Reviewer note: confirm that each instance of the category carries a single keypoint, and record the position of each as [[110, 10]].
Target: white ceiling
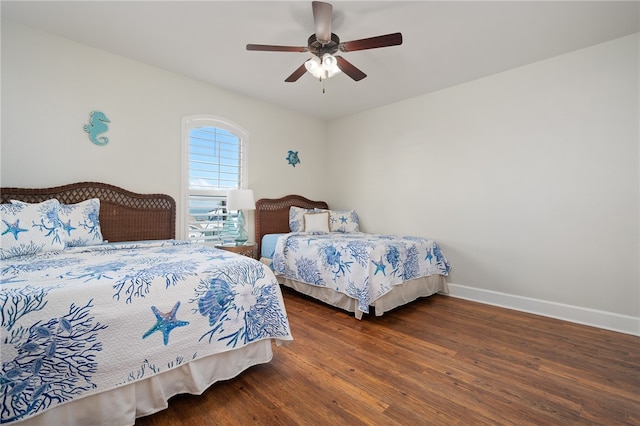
[[445, 43]]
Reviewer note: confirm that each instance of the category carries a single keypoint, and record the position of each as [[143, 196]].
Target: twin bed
[[321, 253], [104, 315]]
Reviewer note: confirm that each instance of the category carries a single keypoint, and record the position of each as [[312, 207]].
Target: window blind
[[215, 160]]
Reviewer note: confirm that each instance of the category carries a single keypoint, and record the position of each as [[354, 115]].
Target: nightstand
[[248, 249]]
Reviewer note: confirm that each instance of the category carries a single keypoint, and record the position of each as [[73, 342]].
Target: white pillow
[[316, 223], [30, 228], [296, 217], [81, 223], [344, 221]]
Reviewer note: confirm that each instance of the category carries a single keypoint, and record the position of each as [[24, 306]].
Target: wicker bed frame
[[272, 214], [124, 215]]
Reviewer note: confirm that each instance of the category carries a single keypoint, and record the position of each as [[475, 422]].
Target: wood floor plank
[[438, 361]]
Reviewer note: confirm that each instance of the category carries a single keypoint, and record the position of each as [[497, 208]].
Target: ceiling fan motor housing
[[319, 49]]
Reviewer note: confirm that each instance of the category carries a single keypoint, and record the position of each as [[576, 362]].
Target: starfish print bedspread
[[361, 265], [85, 320]]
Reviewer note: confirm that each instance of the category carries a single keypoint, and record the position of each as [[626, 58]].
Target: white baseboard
[[601, 319]]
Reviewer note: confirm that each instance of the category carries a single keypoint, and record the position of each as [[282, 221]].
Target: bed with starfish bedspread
[[323, 254], [96, 332]]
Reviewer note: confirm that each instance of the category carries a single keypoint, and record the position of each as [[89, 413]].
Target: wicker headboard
[[272, 214], [124, 215]]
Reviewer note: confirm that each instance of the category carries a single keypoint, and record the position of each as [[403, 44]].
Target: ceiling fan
[[324, 45]]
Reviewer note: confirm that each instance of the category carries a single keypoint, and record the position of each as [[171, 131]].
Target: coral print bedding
[[87, 319], [361, 265]]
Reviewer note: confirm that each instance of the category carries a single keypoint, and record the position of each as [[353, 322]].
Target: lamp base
[[242, 236]]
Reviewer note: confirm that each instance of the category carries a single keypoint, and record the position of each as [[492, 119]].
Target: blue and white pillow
[[81, 223], [30, 228], [339, 220], [344, 221]]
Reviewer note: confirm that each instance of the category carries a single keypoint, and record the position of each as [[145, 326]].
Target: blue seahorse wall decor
[[97, 126]]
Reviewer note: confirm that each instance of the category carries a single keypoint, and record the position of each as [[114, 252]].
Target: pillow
[[296, 217], [81, 223], [344, 221], [316, 223], [30, 228]]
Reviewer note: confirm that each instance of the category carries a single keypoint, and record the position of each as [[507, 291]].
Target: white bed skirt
[[400, 295], [123, 405]]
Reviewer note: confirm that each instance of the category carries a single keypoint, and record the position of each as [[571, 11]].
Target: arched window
[[214, 157]]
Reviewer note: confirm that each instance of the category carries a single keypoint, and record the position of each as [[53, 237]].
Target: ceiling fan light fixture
[[322, 68], [313, 66], [328, 61], [330, 65]]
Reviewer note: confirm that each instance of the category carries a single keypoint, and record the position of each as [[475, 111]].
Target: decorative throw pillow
[[296, 217], [344, 221], [81, 223], [30, 228], [316, 223]]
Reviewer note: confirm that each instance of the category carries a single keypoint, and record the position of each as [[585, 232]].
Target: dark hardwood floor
[[438, 360]]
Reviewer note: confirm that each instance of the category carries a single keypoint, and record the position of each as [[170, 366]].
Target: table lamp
[[241, 199]]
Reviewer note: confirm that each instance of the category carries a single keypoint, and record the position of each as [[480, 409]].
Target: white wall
[[50, 86], [529, 179]]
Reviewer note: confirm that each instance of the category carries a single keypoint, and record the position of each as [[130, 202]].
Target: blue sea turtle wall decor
[[97, 125], [292, 158]]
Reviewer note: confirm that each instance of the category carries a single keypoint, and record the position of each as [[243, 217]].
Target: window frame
[[195, 121]]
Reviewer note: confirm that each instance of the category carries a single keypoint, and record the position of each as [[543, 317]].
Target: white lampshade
[[240, 199], [313, 66], [328, 61]]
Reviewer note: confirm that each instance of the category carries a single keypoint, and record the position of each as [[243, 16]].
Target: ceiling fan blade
[[271, 48], [349, 69], [322, 15], [394, 39], [296, 74]]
